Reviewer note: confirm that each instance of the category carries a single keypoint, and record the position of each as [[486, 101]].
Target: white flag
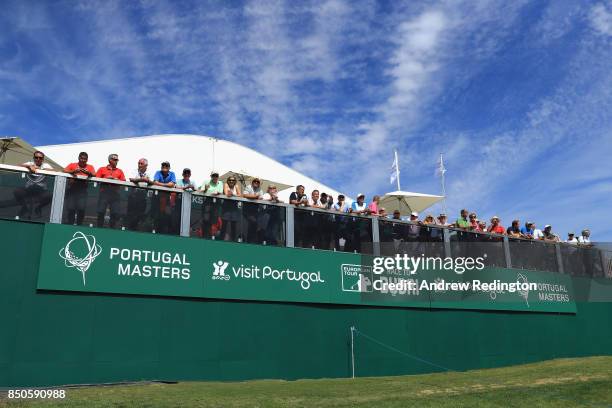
[[440, 170], [394, 170]]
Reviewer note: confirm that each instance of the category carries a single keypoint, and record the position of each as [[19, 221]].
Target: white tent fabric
[[15, 151], [202, 154], [406, 201]]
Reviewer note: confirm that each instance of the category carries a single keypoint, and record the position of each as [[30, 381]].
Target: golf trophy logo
[[80, 252]]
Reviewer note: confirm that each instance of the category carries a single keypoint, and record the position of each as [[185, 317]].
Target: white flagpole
[[397, 172], [442, 171]]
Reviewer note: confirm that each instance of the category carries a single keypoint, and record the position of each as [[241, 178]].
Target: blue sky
[[518, 95]]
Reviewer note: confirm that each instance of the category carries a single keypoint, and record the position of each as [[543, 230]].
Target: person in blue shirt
[[527, 230], [164, 177], [165, 212]]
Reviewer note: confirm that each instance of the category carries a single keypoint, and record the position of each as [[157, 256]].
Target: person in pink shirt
[[373, 206]]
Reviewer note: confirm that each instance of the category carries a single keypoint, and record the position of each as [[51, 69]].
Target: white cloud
[[601, 17]]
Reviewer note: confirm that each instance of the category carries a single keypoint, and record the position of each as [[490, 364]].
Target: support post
[[185, 214], [375, 237], [352, 351], [507, 252], [290, 227], [57, 201], [559, 258]]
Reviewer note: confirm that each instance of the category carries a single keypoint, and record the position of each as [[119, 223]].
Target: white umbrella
[[406, 201]]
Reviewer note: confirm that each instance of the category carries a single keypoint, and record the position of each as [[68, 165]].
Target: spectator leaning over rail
[[397, 215], [496, 227], [272, 194], [252, 214], [474, 226], [341, 204], [186, 183], [548, 234], [76, 191], [109, 193], [211, 209], [482, 225], [373, 206], [463, 222], [164, 177], [585, 238], [231, 213], [298, 197], [163, 206], [514, 230], [571, 238], [35, 188], [527, 230], [214, 185], [137, 199], [359, 207], [442, 220], [537, 233], [315, 200]]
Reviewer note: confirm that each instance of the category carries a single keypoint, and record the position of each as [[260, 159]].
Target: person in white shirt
[[537, 233], [585, 237], [359, 206], [138, 198], [314, 200], [35, 189], [571, 239]]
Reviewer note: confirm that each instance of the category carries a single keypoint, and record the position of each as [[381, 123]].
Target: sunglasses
[[39, 157], [231, 181]]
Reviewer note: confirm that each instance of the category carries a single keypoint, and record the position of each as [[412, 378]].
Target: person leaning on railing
[[109, 193], [137, 198], [35, 187], [211, 208], [496, 227], [298, 197], [231, 215], [514, 231], [251, 213], [76, 192], [462, 222]]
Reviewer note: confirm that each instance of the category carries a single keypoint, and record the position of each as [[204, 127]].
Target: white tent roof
[[201, 154]]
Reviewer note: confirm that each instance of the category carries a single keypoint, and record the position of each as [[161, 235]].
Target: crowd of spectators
[[223, 221]]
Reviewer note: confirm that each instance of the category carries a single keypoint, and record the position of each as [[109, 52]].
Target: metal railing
[[49, 196]]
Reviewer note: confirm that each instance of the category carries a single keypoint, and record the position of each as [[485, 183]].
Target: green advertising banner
[[109, 261]]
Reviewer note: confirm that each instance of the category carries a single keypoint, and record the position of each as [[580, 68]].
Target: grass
[[576, 382]]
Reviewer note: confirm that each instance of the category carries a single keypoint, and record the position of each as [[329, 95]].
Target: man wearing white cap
[[359, 206], [548, 235], [496, 227], [584, 238]]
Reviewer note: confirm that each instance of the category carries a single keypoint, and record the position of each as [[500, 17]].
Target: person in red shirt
[[495, 227], [109, 193], [76, 193]]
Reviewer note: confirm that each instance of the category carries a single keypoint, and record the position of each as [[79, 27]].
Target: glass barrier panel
[[474, 245], [107, 205], [533, 255], [216, 217], [332, 231], [410, 238], [25, 195], [582, 261], [263, 223]]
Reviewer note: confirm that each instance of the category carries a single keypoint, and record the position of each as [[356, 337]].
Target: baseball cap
[[165, 164], [360, 195], [547, 226], [414, 214], [186, 171], [495, 217], [214, 174]]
